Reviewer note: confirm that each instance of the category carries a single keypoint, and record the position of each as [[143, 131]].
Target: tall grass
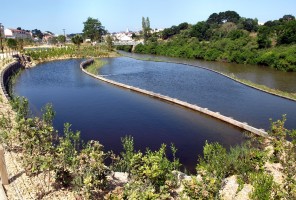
[[97, 64]]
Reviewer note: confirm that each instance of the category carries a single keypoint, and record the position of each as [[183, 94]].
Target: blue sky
[[118, 15]]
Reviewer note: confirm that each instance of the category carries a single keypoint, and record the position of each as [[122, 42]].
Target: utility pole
[[1, 28], [64, 35]]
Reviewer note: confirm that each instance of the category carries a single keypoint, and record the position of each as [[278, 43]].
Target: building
[[17, 34], [123, 36]]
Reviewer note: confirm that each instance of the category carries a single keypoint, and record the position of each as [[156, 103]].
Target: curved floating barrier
[[206, 111]]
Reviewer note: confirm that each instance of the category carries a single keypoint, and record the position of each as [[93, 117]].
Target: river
[[263, 75], [203, 88], [106, 113]]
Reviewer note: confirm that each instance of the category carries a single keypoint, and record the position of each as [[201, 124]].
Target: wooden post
[[3, 170]]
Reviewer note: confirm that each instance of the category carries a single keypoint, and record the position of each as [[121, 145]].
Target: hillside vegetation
[[228, 37]]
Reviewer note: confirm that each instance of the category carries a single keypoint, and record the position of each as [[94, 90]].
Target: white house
[[17, 34], [125, 38]]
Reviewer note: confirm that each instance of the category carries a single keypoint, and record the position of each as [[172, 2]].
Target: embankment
[[5, 76], [216, 115]]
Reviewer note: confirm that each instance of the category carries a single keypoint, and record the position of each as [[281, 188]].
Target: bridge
[[131, 43]]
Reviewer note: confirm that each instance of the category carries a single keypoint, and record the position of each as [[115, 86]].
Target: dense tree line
[[228, 37]]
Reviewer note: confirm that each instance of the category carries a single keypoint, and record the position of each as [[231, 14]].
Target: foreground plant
[[91, 172], [151, 174], [285, 154], [67, 156]]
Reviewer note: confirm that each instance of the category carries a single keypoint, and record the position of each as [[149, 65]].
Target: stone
[[229, 188], [244, 193]]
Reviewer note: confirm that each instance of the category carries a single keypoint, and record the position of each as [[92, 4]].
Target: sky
[[118, 15]]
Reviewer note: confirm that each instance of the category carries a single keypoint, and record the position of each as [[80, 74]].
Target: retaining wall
[[217, 115], [6, 73]]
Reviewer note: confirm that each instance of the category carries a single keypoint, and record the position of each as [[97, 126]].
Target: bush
[[151, 172], [127, 48], [66, 156], [153, 166], [263, 186], [91, 172]]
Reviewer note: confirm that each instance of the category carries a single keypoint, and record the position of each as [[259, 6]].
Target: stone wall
[[6, 73]]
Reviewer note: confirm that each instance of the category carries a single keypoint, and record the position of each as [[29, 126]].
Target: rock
[[275, 170], [229, 188], [244, 193], [118, 178], [269, 149], [181, 176], [121, 177]]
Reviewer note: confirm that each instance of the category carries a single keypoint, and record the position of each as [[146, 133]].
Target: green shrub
[[153, 166], [38, 138], [91, 172], [66, 153], [263, 186], [135, 190]]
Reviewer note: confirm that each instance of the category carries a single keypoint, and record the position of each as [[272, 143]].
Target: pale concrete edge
[[216, 115]]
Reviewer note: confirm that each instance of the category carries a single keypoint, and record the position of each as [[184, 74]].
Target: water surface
[[259, 74], [106, 113], [203, 88]]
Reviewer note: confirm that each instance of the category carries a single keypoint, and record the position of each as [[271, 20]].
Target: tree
[[288, 33], [109, 42], [61, 39], [183, 26], [52, 40], [168, 32], [11, 43], [214, 19], [249, 24], [93, 29], [37, 33], [222, 17], [77, 39], [224, 30], [287, 18], [20, 44], [146, 28], [49, 32], [200, 31], [230, 16], [263, 39]]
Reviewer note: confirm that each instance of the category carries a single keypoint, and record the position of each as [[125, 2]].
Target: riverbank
[[47, 55], [263, 88]]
